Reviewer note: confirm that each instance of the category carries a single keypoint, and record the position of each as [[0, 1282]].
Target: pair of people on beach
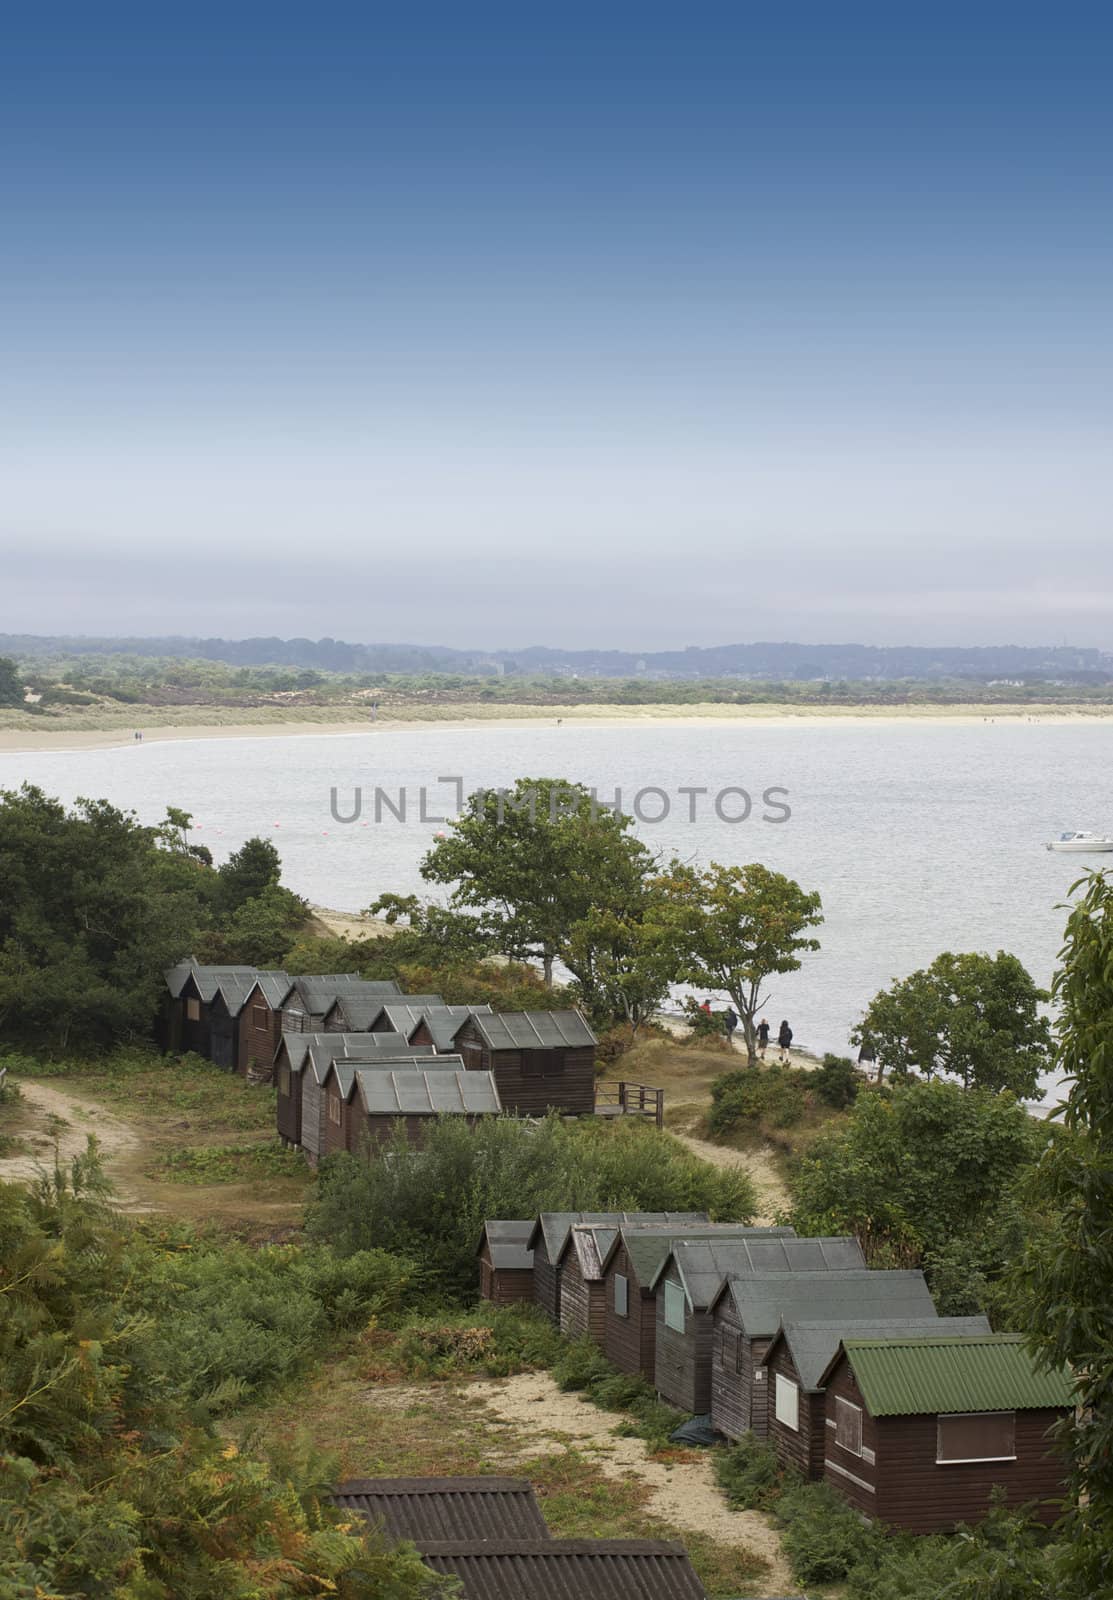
[[784, 1033]]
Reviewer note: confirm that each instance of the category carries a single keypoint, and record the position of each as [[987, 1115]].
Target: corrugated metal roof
[[534, 1030], [273, 986], [508, 1243], [552, 1227], [319, 1050], [649, 1247], [900, 1378], [589, 1242], [568, 1569], [704, 1263], [414, 1092], [445, 1022], [344, 1068], [177, 975], [813, 1345], [206, 978], [446, 1508], [765, 1300], [319, 990]]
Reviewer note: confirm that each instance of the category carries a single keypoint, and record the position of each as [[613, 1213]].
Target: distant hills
[[768, 661]]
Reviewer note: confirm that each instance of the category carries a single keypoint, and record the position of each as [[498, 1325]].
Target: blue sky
[[619, 325]]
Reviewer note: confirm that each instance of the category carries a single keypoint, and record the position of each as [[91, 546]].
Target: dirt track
[[57, 1120]]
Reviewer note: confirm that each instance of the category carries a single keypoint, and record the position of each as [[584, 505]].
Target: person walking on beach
[[762, 1037], [784, 1039], [706, 1006], [730, 1022]]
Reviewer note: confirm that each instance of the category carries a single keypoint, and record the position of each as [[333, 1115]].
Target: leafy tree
[[916, 1169], [733, 928], [974, 1017], [259, 932], [1063, 1283], [11, 685], [535, 862], [249, 871], [428, 934], [94, 909], [625, 964]]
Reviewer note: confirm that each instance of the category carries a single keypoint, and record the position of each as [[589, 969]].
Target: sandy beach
[[69, 732]]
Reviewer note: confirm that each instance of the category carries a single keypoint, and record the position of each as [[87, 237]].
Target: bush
[[775, 1096], [751, 1476], [431, 1204], [704, 1027], [496, 1340], [837, 1082], [823, 1538], [582, 1366]]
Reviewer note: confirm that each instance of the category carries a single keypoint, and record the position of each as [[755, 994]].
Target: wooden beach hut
[[687, 1283], [542, 1060], [629, 1268], [192, 988], [366, 1103], [798, 1357], [302, 1061], [314, 995], [549, 1236], [921, 1432], [748, 1310], [506, 1263], [365, 1011]]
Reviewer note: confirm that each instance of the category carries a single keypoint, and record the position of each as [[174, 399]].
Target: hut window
[[976, 1436], [848, 1426], [674, 1306], [334, 1108], [193, 1010], [621, 1295], [284, 1080], [787, 1403], [258, 1016]]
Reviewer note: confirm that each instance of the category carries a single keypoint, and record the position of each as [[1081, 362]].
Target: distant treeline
[[759, 663]]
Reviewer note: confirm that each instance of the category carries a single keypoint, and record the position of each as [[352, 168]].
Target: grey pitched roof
[[207, 979], [344, 1068], [764, 1300], [318, 991], [445, 1022], [412, 1091], [551, 1227], [589, 1243], [648, 1248], [236, 990], [177, 975], [567, 1569], [508, 1243], [446, 1508], [812, 1345], [320, 1049], [402, 1013], [704, 1263], [534, 1030]]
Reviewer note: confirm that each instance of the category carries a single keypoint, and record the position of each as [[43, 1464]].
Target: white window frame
[[674, 1294], [786, 1404], [621, 1295], [960, 1461], [849, 1406], [334, 1114]]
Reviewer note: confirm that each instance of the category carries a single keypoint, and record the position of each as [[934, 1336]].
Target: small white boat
[[1081, 842]]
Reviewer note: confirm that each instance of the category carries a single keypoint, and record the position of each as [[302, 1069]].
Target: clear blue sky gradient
[[633, 325]]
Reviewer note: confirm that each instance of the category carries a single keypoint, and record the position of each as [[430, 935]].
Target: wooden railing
[[630, 1100]]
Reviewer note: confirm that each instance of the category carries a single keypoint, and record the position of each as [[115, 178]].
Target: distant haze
[[623, 326]]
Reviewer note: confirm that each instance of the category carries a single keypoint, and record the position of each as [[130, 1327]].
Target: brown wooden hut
[[799, 1355], [302, 1061], [193, 988], [364, 1010], [506, 1263], [629, 1268], [920, 1433], [687, 1284], [542, 1060], [366, 1102], [550, 1235], [748, 1310], [445, 1508], [314, 995]]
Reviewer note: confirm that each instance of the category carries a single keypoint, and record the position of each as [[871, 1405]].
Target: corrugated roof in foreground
[[414, 1092], [900, 1377], [568, 1569], [813, 1345], [446, 1508], [534, 1030]]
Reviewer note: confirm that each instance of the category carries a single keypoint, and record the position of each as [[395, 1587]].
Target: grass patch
[[181, 1093], [583, 1367], [227, 1163]]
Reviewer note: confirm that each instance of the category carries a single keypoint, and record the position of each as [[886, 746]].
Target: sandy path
[[772, 1196], [684, 1493], [77, 1118]]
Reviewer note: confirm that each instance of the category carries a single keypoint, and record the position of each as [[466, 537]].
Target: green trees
[[11, 685], [925, 1175], [733, 928], [536, 861], [973, 1017], [1063, 1283], [249, 871], [94, 909]]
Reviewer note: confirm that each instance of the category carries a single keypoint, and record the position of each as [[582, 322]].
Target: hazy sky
[[619, 324]]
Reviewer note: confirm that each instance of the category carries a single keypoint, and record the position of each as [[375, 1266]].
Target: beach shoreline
[[33, 737]]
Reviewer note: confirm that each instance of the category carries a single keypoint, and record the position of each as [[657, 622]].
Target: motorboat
[[1081, 842]]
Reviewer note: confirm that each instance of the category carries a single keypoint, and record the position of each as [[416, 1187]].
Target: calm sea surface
[[919, 837]]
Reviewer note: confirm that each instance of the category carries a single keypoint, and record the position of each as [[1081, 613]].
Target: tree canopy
[[973, 1017]]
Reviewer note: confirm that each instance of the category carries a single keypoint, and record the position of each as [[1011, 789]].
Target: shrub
[[704, 1026], [582, 1366], [496, 1340], [431, 1204], [750, 1475], [837, 1082], [823, 1538], [775, 1096]]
